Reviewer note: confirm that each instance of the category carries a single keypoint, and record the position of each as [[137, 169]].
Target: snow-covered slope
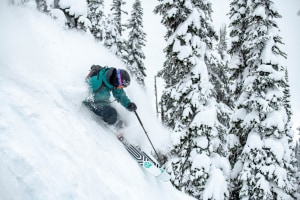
[[51, 147]]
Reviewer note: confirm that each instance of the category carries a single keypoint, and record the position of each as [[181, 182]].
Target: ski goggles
[[120, 82]]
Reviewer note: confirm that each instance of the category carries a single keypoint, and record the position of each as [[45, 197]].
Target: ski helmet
[[119, 78], [123, 78]]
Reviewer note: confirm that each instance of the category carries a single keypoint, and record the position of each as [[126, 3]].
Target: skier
[[103, 81]]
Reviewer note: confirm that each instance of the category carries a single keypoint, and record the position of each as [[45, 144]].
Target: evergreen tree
[[238, 27], [135, 55], [287, 101], [188, 101], [297, 153], [112, 38], [96, 16], [117, 14], [263, 161], [117, 45], [297, 150], [75, 19], [219, 76], [237, 69], [222, 45]]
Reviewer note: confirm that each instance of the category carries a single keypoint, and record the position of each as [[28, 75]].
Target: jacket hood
[[106, 75], [109, 73], [111, 77]]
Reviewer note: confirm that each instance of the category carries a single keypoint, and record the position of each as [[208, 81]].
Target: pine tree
[[117, 14], [237, 70], [238, 27], [222, 45], [263, 161], [96, 16], [75, 18], [297, 154], [114, 40], [137, 38], [287, 101], [297, 150], [219, 77], [189, 104]]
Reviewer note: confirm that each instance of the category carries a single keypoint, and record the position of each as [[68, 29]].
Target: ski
[[145, 161]]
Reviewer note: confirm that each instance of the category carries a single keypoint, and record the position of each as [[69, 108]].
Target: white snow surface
[[51, 147]]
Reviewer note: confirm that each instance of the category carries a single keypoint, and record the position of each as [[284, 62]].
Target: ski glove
[[131, 107]]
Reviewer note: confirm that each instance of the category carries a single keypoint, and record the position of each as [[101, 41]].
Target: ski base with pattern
[[145, 161]]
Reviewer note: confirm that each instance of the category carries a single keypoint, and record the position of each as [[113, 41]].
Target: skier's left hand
[[131, 107]]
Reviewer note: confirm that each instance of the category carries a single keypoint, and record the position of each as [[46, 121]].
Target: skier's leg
[[90, 105], [108, 114]]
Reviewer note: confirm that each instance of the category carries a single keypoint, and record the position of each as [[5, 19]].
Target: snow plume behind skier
[[104, 81]]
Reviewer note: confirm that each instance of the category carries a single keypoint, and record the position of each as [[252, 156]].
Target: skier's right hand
[[131, 107]]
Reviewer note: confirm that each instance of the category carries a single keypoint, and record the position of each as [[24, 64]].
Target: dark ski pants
[[108, 113]]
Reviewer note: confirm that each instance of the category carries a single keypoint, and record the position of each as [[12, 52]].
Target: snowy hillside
[[51, 147]]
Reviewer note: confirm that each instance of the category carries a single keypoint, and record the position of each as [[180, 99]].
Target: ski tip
[[164, 175]]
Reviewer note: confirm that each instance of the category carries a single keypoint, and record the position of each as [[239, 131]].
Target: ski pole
[[146, 134]]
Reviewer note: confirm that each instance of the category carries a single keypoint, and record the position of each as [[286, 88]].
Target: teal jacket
[[101, 89]]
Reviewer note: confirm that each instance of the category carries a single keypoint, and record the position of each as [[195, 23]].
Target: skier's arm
[[121, 97]]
